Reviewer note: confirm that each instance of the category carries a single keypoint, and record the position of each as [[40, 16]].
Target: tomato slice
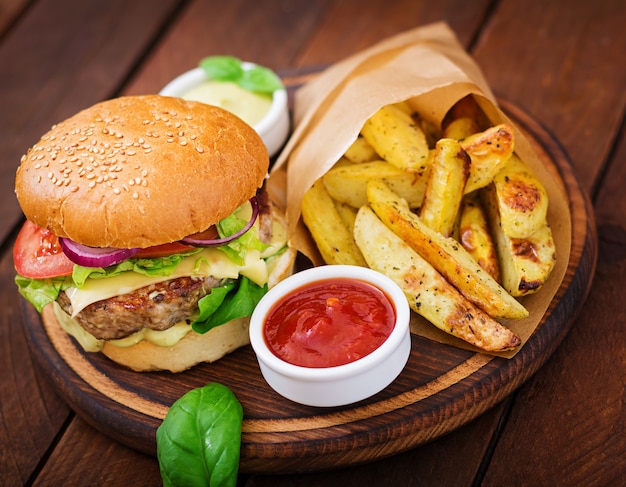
[[162, 250], [37, 253]]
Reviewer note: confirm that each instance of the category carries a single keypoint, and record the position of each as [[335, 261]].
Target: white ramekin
[[343, 384], [273, 128]]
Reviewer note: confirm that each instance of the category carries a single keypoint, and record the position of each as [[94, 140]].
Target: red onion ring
[[92, 256], [222, 241]]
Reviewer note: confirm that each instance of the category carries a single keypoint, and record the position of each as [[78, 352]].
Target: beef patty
[[158, 306]]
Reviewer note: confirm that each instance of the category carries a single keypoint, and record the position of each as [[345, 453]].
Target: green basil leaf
[[260, 80], [199, 441], [222, 68]]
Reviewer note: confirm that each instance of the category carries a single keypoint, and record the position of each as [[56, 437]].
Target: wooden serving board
[[441, 388]]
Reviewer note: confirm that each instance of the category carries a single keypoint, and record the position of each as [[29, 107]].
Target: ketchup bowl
[[331, 335]]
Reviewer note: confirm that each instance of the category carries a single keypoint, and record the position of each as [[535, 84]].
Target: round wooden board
[[441, 388]]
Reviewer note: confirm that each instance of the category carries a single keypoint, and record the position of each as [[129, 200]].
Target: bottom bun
[[189, 351]]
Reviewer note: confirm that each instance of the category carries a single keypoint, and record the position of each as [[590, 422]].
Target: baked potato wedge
[[444, 254], [489, 150], [475, 235], [361, 151], [521, 199], [444, 189], [332, 237], [461, 128], [396, 137], [427, 291], [525, 263], [348, 183]]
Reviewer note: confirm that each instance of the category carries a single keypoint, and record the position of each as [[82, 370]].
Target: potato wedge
[[525, 263], [461, 128], [347, 184], [428, 293], [489, 150], [475, 235], [445, 254], [522, 200], [444, 189], [361, 151], [347, 214], [396, 137], [333, 239]]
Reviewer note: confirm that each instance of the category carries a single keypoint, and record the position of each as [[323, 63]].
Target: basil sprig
[[258, 79]]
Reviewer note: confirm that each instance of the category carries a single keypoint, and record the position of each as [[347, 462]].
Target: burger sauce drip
[[329, 323]]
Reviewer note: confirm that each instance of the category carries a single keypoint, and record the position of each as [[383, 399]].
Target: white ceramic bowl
[[273, 128], [343, 384]]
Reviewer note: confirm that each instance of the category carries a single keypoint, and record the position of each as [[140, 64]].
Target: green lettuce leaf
[[159, 266], [40, 292], [199, 441], [236, 299], [236, 249]]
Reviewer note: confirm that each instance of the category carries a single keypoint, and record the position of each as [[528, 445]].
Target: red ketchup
[[329, 322]]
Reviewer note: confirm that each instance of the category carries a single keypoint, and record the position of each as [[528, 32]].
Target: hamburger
[[149, 232]]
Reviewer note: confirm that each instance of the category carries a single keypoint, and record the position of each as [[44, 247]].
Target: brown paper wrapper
[[429, 68]]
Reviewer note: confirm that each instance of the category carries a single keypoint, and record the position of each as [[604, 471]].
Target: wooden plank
[[96, 460], [348, 27], [249, 30], [445, 461], [81, 54], [557, 60], [9, 12]]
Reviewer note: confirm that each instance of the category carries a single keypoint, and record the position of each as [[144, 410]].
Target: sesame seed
[[116, 190], [92, 184], [199, 149], [135, 195]]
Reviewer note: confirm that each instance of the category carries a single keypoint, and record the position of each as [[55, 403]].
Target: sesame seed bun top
[[139, 171]]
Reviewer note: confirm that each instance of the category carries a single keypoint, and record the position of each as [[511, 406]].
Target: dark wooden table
[[560, 61]]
